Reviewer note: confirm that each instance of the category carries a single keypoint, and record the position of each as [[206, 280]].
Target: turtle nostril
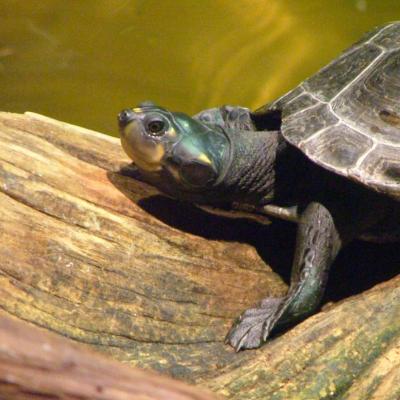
[[125, 116]]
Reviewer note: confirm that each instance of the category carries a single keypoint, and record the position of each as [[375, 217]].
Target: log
[[35, 364], [101, 258]]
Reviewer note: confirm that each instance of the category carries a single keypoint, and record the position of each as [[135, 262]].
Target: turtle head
[[181, 156]]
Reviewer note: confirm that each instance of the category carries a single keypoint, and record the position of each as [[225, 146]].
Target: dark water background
[[83, 61]]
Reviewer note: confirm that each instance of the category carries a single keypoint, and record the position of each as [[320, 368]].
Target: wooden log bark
[[99, 257], [35, 364]]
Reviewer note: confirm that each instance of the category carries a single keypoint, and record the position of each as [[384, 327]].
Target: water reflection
[[84, 61]]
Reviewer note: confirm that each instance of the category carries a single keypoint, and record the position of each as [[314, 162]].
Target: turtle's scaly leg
[[318, 242]]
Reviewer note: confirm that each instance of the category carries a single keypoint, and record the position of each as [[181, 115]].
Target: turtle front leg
[[317, 245]]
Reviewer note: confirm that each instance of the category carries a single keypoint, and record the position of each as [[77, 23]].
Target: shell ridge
[[306, 108], [364, 156], [357, 78], [372, 38], [316, 134], [312, 95], [294, 98], [349, 124]]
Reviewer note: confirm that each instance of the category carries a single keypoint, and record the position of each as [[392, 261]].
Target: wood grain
[[35, 364], [97, 256]]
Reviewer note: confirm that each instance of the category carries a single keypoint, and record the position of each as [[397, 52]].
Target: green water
[[83, 61]]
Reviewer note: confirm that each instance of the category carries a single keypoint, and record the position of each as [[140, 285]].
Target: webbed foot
[[252, 328]]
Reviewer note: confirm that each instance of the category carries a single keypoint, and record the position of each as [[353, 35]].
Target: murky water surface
[[83, 61]]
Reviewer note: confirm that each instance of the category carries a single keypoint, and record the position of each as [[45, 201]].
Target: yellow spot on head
[[171, 132], [202, 157]]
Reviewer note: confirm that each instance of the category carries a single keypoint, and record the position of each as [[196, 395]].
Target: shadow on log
[[101, 258]]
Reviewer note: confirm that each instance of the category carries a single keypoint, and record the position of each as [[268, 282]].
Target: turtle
[[326, 155]]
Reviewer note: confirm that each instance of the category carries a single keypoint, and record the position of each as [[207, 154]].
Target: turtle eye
[[156, 127]]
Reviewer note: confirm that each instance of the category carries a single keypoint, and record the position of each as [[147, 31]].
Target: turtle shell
[[346, 117]]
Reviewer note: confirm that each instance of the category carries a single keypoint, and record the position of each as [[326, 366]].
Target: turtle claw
[[252, 328]]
